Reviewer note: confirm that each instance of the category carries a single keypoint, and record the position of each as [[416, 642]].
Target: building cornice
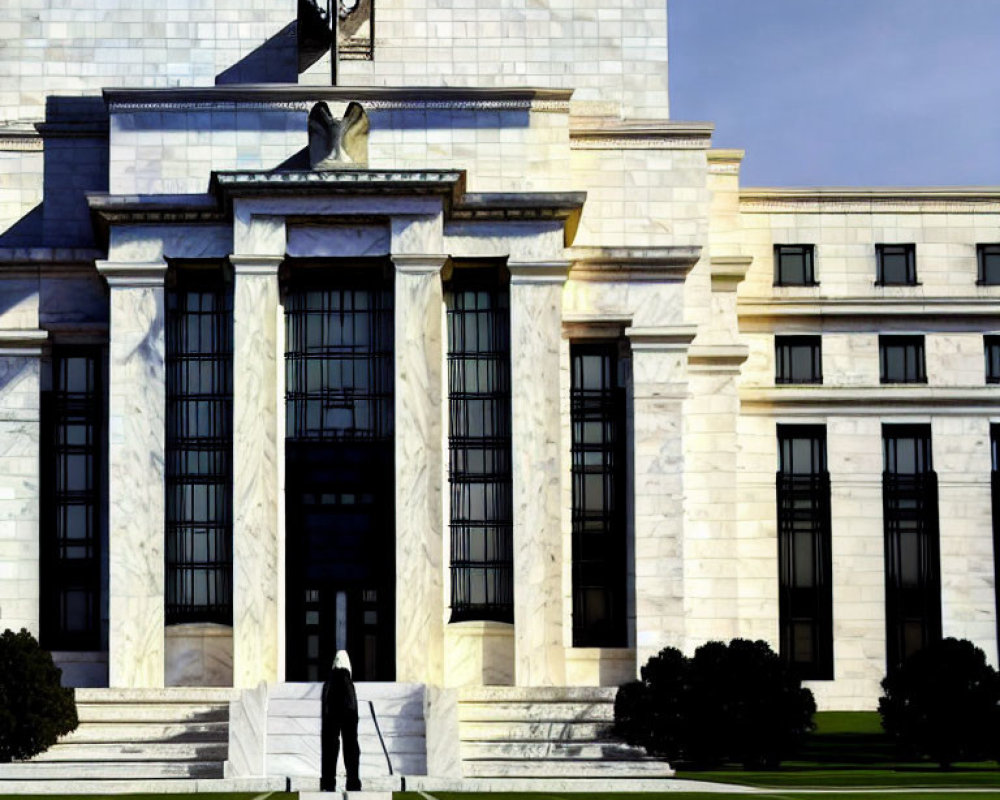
[[612, 133], [15, 259], [672, 263], [982, 199], [298, 97], [869, 400], [729, 271], [20, 140], [662, 338], [133, 274], [23, 342], [846, 309], [724, 161]]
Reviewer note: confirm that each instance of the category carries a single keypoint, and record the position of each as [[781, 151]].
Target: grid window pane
[[199, 449], [73, 498], [798, 359], [901, 359], [597, 410], [991, 348], [912, 560], [479, 445], [897, 264], [804, 558], [793, 265], [989, 264]]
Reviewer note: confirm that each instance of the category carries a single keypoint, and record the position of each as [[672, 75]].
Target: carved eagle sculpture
[[338, 144]]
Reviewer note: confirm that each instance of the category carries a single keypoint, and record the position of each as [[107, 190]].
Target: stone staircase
[[150, 738], [550, 733]]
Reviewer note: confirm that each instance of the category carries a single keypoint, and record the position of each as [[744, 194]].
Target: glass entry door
[[339, 485]]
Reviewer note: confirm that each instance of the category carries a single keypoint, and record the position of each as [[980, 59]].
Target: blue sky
[[844, 92]]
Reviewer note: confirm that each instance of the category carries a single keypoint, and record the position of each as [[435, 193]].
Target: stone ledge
[[672, 263], [880, 401], [862, 308], [863, 199]]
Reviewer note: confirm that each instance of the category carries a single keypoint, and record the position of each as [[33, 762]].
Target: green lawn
[[850, 749]]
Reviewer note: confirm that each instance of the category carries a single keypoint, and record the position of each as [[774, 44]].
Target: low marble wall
[[82, 670], [600, 666], [444, 758], [247, 734], [198, 654], [479, 654]]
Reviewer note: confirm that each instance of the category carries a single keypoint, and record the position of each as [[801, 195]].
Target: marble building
[[438, 338]]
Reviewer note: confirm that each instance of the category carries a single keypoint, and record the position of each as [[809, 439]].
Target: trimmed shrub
[[735, 702], [35, 710], [942, 704]]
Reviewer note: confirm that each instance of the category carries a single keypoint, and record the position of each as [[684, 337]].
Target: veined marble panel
[[19, 512], [659, 385], [255, 472], [420, 457], [338, 241], [136, 475], [151, 242], [536, 330]]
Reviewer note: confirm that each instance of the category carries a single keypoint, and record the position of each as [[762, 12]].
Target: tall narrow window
[[793, 265], [912, 562], [991, 348], [901, 359], [72, 501], [798, 359], [988, 257], [897, 265], [597, 407], [199, 481], [480, 447], [805, 569], [995, 486]]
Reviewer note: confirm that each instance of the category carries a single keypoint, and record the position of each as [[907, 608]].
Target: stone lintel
[[133, 275], [918, 399], [672, 263], [595, 326], [541, 272], [662, 338], [717, 358], [256, 265], [23, 342], [419, 264], [729, 271]]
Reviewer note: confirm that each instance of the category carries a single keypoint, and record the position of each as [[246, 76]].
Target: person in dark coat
[[340, 719]]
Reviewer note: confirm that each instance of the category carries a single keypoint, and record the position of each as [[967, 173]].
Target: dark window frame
[[991, 353], [68, 413], [909, 251], [995, 508], [911, 541], [480, 478], [598, 415], [784, 361], [805, 580], [987, 253], [808, 254], [914, 358], [199, 447]]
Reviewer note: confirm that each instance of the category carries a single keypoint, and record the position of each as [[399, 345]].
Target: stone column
[[420, 443], [137, 400], [20, 352], [659, 370], [536, 331], [256, 439]]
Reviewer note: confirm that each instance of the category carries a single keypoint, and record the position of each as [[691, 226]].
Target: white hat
[[342, 661]]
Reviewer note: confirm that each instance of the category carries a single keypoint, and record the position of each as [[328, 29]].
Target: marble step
[[369, 743], [537, 694], [408, 707], [565, 768], [534, 731], [139, 751], [312, 726], [88, 770], [372, 764], [607, 751], [309, 787], [95, 732], [152, 712], [96, 786], [535, 712], [189, 695]]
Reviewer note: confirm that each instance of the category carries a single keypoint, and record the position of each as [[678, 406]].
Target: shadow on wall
[[275, 61]]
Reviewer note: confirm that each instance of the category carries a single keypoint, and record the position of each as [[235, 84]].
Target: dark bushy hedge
[[35, 709], [942, 704], [735, 702]]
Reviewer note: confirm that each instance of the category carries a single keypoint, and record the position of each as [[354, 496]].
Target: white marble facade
[[613, 222]]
